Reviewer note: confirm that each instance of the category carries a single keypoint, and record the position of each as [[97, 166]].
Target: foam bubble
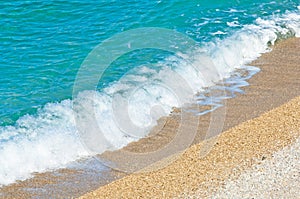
[[218, 33], [233, 24]]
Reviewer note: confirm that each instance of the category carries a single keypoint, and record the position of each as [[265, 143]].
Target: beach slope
[[254, 132]]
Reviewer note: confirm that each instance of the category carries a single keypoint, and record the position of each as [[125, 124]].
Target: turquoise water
[[43, 44]]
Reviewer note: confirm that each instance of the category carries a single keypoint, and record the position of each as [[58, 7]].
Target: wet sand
[[234, 151], [276, 84]]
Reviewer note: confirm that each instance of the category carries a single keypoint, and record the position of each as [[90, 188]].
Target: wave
[[50, 140]]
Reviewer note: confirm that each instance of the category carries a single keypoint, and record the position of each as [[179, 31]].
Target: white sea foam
[[233, 24], [37, 143], [218, 33], [49, 139]]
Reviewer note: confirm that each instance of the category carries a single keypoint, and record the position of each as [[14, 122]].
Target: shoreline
[[268, 89], [236, 150], [261, 96]]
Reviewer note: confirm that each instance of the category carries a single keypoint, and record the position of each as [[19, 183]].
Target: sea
[[147, 53]]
